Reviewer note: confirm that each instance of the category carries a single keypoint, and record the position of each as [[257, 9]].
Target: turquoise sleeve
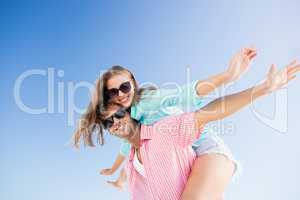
[[125, 148], [191, 99], [156, 104]]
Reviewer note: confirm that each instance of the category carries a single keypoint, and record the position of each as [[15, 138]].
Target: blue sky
[[157, 41]]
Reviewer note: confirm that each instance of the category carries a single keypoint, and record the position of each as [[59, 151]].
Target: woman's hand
[[107, 172], [239, 64], [276, 79]]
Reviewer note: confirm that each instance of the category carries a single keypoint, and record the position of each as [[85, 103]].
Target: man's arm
[[225, 106], [238, 65]]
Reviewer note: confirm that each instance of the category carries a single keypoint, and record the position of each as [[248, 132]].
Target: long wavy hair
[[90, 124]]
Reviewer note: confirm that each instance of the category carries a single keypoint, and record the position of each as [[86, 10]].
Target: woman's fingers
[[291, 74], [247, 51], [291, 78], [292, 63], [250, 52], [247, 54], [252, 55], [272, 70], [294, 69]]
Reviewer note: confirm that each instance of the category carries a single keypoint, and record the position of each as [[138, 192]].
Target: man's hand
[[240, 62]]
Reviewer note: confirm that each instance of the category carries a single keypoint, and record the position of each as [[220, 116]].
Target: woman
[[118, 85]]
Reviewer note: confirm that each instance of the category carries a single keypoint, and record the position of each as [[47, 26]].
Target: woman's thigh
[[209, 177]]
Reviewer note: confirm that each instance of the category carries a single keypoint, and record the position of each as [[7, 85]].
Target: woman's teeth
[[124, 99]]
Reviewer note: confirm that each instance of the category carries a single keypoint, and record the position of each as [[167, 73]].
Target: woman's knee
[[214, 165]]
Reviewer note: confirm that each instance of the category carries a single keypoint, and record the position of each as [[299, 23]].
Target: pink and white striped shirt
[[167, 158]]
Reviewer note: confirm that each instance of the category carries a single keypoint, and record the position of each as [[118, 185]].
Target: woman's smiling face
[[121, 80]]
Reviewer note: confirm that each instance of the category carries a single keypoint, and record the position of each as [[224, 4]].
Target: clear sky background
[[157, 40]]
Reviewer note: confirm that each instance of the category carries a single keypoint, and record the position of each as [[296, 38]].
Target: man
[[161, 155]]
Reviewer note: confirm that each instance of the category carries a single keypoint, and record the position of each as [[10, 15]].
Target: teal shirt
[[159, 103]]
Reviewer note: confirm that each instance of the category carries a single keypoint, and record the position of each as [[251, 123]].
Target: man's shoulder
[[172, 124], [176, 118]]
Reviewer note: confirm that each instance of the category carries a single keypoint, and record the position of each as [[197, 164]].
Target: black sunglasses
[[114, 92], [109, 122]]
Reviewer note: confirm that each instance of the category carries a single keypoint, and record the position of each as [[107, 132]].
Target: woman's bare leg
[[209, 177]]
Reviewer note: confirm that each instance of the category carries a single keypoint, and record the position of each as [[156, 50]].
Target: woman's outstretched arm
[[238, 65], [225, 106]]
